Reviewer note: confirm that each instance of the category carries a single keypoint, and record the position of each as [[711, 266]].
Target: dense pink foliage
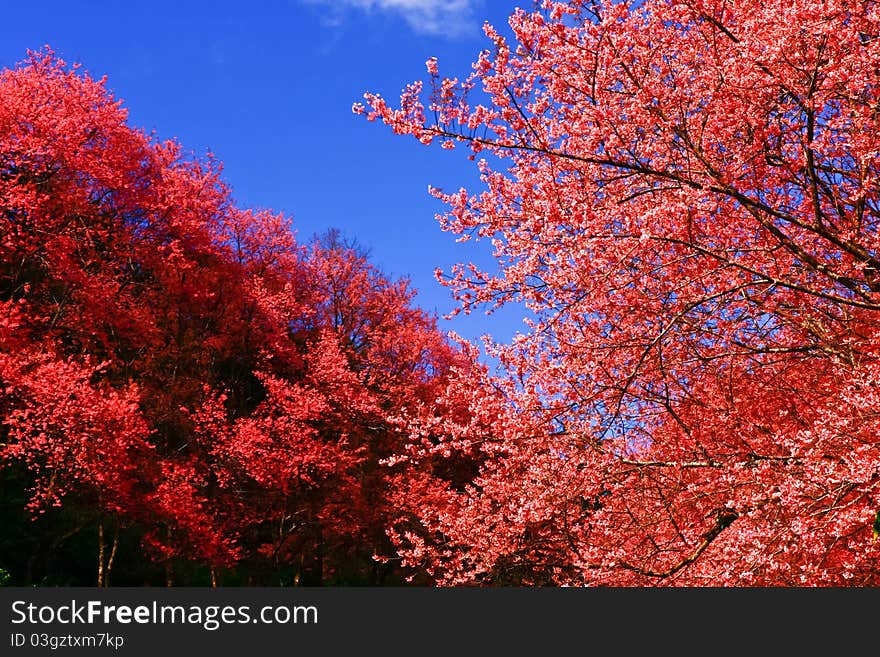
[[685, 193]]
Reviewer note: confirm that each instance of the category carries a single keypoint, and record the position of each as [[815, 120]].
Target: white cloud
[[436, 17]]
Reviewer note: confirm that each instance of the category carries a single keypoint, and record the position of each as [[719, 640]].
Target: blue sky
[[267, 86]]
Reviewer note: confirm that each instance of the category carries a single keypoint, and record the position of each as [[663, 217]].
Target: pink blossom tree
[[685, 194]]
